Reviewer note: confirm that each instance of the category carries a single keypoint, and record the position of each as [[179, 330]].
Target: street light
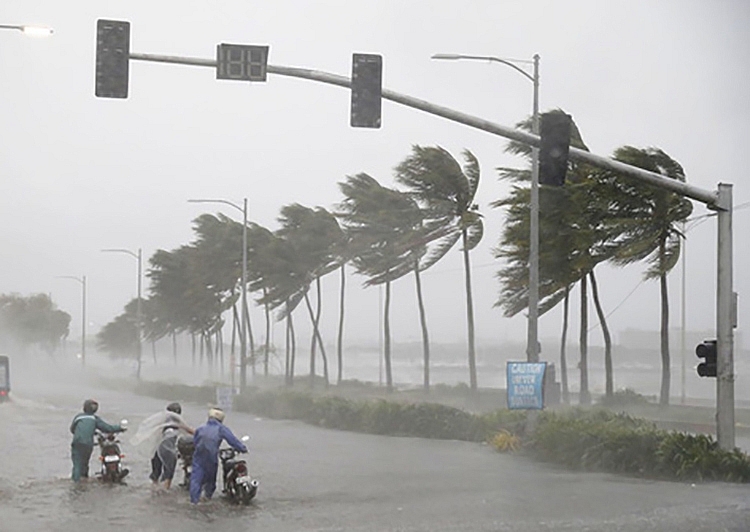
[[532, 337], [27, 29], [138, 257], [243, 325], [81, 280]]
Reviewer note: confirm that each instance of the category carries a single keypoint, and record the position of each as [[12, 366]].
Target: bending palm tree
[[649, 219], [385, 226], [445, 192]]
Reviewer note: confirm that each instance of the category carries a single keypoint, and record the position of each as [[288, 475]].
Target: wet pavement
[[317, 479]]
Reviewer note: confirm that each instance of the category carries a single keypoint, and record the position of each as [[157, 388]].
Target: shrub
[[698, 457], [625, 397]]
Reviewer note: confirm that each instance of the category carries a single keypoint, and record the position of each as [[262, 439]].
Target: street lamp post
[[27, 29], [532, 337], [245, 318], [138, 256], [81, 280]]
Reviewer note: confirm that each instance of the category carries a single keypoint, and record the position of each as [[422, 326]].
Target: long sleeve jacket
[[84, 425], [208, 438]]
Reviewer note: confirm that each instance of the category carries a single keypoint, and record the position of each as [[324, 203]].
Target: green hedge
[[425, 420], [600, 440]]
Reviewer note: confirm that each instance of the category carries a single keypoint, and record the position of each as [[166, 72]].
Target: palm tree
[[648, 220], [445, 192], [574, 238], [387, 236], [316, 237], [275, 273]]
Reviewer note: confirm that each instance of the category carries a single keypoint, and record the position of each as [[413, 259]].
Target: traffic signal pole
[[726, 315], [720, 200]]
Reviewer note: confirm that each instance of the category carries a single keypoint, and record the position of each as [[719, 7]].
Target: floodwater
[[317, 479]]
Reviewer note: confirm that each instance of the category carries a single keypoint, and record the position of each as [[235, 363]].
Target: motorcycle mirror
[[124, 423], [245, 438]]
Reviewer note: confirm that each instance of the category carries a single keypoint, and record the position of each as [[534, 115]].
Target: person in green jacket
[[83, 427]]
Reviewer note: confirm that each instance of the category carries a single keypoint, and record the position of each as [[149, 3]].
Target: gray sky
[[79, 174]]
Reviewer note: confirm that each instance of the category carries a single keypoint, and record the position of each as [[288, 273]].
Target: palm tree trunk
[[666, 374], [209, 352], [233, 351], [268, 336], [201, 342], [293, 340], [423, 323], [608, 375], [220, 351], [288, 360], [340, 339], [316, 336], [250, 337], [469, 313], [312, 342], [387, 337], [192, 340], [563, 341], [319, 303], [174, 346], [585, 395], [153, 350]]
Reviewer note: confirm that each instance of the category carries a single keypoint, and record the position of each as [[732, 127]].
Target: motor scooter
[[239, 486], [185, 449], [110, 456]]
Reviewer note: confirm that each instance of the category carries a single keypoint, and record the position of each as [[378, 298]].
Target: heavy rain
[[320, 230]]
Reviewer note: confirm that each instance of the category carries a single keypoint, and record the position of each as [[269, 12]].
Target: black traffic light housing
[[112, 58], [367, 86], [554, 148], [707, 351]]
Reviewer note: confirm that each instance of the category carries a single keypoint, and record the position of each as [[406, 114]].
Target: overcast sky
[[79, 174]]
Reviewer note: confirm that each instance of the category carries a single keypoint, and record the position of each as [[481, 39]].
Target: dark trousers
[[155, 468], [80, 453]]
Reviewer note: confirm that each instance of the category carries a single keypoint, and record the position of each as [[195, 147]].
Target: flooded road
[[316, 479]]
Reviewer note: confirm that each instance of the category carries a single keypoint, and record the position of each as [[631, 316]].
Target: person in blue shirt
[[207, 439], [83, 427]]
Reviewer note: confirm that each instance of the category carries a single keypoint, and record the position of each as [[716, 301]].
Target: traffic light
[[112, 58], [553, 148], [367, 85], [241, 62], [707, 351]]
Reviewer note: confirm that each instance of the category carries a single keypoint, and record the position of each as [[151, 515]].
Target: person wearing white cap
[[207, 439]]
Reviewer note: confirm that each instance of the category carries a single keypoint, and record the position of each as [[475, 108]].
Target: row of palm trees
[[597, 217], [386, 233]]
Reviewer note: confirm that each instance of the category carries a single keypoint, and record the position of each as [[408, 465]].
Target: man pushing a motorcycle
[[83, 427], [207, 439]]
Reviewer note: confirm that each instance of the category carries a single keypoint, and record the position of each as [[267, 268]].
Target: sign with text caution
[[526, 385]]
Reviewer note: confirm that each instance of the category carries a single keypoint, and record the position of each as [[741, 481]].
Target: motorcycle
[[239, 486], [111, 457], [185, 449]]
